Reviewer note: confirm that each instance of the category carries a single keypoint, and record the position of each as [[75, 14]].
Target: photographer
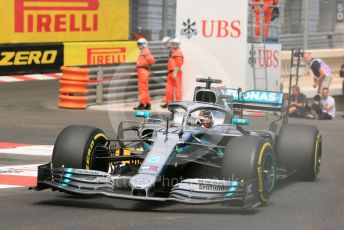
[[320, 70], [298, 104], [325, 106]]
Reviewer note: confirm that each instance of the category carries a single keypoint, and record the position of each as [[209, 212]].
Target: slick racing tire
[[299, 147], [248, 158], [75, 148]]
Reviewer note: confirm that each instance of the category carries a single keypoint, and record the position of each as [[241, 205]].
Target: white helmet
[[175, 42], [166, 40], [142, 42]]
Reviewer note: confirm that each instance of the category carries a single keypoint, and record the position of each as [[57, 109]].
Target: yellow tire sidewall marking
[[316, 155], [260, 171], [90, 148]]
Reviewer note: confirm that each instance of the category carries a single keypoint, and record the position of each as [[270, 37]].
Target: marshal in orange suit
[[175, 75], [267, 15], [143, 65]]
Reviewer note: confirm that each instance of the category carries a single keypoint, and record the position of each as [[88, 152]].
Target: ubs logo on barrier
[[268, 58], [36, 16], [212, 29], [189, 29], [21, 58], [221, 28], [103, 56]]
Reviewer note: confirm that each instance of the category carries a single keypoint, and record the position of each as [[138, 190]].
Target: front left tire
[[251, 158]]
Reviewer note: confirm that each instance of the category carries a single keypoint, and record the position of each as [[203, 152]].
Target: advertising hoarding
[[34, 21]]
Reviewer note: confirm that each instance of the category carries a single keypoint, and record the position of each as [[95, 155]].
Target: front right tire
[[75, 148]]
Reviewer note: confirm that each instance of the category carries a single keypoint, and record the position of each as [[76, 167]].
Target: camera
[[317, 97]]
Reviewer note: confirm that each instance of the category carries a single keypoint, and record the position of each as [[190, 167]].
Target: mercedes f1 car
[[198, 154]]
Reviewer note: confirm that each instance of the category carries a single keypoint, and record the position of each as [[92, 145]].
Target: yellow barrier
[[99, 53], [38, 21]]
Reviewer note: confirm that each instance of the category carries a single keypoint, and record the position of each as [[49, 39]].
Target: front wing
[[189, 191]]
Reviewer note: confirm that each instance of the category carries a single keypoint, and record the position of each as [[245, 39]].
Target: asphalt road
[[28, 114]]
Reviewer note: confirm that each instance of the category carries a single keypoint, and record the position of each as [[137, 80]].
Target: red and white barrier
[[31, 77], [21, 175]]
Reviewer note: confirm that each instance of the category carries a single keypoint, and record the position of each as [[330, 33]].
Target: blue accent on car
[[255, 96], [69, 170], [154, 160], [240, 121], [232, 189], [179, 149], [143, 114], [68, 175], [66, 181]]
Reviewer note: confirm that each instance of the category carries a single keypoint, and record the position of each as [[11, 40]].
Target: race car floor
[[29, 115]]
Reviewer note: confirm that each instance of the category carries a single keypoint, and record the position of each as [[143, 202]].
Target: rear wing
[[255, 99]]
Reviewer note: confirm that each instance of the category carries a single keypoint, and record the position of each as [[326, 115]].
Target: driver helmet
[[206, 119]]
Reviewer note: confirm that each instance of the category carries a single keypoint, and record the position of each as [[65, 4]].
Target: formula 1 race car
[[198, 154]]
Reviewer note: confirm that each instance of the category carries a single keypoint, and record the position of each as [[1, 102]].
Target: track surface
[[28, 114]]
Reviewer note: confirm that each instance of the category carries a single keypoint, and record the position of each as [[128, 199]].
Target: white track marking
[[20, 170], [34, 150], [3, 186], [40, 77], [9, 79]]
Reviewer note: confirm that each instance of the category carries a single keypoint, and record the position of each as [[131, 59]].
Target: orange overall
[[174, 86], [143, 64], [267, 15]]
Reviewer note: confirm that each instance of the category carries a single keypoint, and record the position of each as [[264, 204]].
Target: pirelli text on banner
[[30, 58], [99, 53], [61, 20]]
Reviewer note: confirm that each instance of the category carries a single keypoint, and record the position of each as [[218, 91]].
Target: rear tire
[[75, 148], [248, 158], [299, 147]]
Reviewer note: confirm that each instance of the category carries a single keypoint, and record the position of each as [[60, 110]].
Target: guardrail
[[323, 40], [111, 83], [333, 57]]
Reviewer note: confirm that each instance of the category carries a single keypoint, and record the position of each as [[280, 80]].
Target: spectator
[[320, 70], [325, 107], [298, 104]]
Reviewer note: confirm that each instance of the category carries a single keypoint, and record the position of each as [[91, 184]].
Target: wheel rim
[[317, 157], [97, 164], [269, 172]]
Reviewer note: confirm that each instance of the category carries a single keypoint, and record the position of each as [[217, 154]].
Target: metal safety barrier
[[113, 83]]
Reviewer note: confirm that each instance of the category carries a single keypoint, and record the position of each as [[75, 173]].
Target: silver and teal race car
[[196, 154]]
